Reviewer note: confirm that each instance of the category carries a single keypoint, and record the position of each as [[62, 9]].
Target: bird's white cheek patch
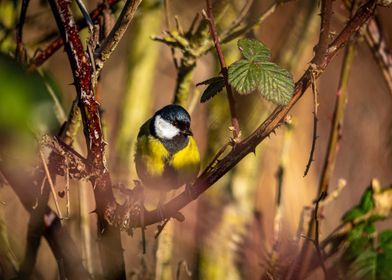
[[164, 129]]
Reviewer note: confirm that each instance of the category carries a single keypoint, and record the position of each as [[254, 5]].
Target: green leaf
[[367, 203], [358, 241], [25, 102], [364, 206], [215, 85], [256, 72], [352, 214], [243, 76], [356, 248], [254, 50], [276, 84], [375, 218], [371, 265], [370, 228], [26, 112], [385, 240]]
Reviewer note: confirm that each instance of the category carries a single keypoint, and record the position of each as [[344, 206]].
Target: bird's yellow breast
[[187, 161], [159, 169]]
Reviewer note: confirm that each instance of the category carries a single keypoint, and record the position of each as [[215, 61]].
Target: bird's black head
[[176, 115], [171, 125]]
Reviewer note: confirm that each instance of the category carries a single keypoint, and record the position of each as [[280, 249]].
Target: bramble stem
[[209, 16]]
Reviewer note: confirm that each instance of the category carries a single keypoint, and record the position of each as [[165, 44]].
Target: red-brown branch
[[111, 250]]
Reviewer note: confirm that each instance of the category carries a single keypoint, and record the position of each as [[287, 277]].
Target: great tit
[[167, 155]]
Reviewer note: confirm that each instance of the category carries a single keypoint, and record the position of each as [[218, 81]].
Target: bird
[[167, 156]]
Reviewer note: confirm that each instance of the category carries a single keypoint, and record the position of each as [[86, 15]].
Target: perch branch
[[209, 16], [248, 145]]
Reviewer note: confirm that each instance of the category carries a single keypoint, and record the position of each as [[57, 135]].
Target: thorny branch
[[248, 145], [209, 16], [322, 46], [315, 120], [305, 256], [321, 50], [82, 71]]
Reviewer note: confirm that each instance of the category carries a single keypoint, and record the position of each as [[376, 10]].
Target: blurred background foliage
[[240, 228]]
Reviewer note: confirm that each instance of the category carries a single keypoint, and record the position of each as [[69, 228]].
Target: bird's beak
[[187, 132]]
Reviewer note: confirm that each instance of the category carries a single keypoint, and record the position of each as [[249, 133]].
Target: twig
[[236, 30], [167, 22], [383, 55], [161, 227], [19, 29], [111, 41], [248, 145], [337, 119], [67, 191], [234, 118], [243, 13], [315, 119], [332, 196], [57, 43], [317, 232], [375, 38], [215, 159], [183, 264], [51, 185], [315, 240], [86, 15], [322, 46]]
